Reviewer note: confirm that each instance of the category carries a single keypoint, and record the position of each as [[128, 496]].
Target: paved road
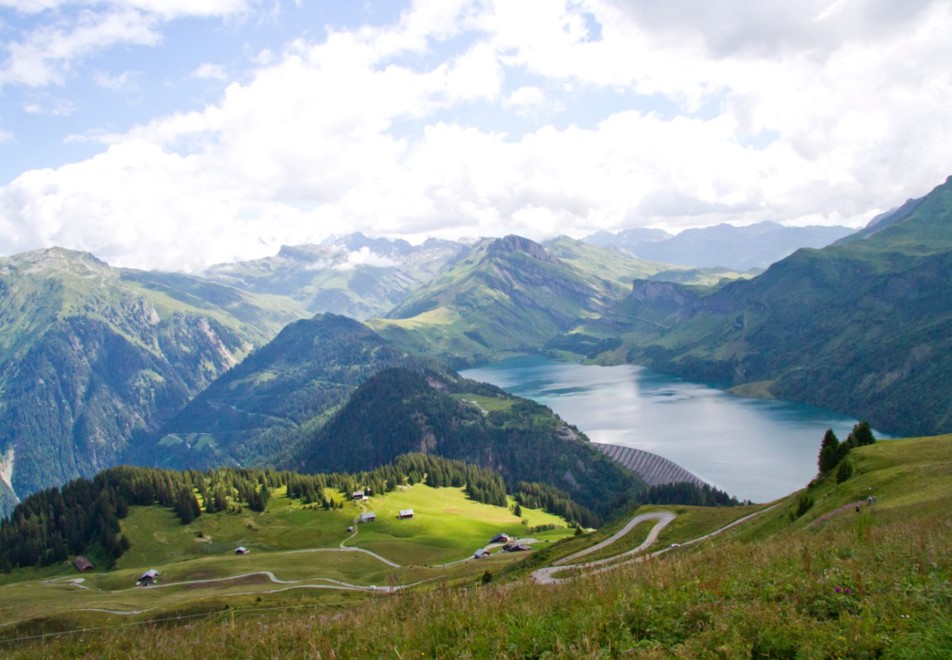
[[545, 575], [663, 518]]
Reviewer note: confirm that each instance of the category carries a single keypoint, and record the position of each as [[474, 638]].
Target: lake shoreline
[[754, 449]]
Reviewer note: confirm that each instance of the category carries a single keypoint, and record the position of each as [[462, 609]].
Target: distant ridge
[[654, 470]]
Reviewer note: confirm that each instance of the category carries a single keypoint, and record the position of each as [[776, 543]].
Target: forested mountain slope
[[400, 411], [91, 356], [256, 411]]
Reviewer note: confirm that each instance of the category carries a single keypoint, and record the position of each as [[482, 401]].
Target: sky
[[175, 134]]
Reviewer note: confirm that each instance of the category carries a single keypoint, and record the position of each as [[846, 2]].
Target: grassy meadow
[[830, 583], [295, 555]]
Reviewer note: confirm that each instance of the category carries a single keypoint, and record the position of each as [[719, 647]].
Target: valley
[[255, 423]]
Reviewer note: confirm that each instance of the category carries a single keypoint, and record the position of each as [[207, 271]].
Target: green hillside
[[399, 411], [863, 327], [256, 412], [91, 356], [506, 295], [829, 582]]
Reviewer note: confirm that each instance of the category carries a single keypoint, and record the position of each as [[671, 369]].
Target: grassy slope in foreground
[[299, 545], [873, 584]]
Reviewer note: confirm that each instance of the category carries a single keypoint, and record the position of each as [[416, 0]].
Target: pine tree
[[829, 452]]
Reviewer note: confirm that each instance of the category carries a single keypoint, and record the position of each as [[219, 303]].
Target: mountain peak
[[57, 259], [512, 243]]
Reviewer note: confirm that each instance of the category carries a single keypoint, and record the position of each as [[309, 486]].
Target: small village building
[[367, 517], [405, 513], [82, 564], [149, 577], [357, 495], [479, 554], [515, 547], [500, 538], [241, 550]]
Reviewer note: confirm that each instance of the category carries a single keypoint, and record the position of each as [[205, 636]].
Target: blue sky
[[175, 134]]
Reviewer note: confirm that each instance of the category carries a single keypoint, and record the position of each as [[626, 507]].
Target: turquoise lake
[[754, 449]]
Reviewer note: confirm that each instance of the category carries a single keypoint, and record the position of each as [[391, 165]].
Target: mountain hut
[[82, 564]]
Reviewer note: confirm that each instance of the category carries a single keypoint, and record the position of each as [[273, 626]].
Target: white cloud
[[124, 81], [56, 107], [365, 257], [209, 71], [828, 116], [70, 31], [47, 53]]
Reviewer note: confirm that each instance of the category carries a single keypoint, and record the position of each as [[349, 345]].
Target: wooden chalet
[[82, 564]]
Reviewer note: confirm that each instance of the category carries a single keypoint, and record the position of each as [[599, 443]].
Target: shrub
[[844, 471], [804, 504]]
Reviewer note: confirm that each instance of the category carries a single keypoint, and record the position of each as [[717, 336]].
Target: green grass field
[[295, 552]]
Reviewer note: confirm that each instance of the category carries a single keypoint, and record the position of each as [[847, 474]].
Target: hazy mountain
[[615, 265], [506, 294], [256, 411], [724, 245], [90, 356], [399, 411], [351, 275], [864, 326]]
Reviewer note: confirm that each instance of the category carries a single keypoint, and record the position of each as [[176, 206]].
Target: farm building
[[149, 577], [500, 538], [515, 547], [82, 564], [369, 516], [241, 550], [405, 513], [479, 554], [357, 495]]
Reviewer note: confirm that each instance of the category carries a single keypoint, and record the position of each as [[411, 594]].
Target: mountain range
[[738, 248], [352, 275], [100, 365]]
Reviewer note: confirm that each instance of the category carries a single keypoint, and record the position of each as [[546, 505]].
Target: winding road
[[663, 518]]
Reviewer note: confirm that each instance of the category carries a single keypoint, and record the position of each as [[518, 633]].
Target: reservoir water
[[753, 449]]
